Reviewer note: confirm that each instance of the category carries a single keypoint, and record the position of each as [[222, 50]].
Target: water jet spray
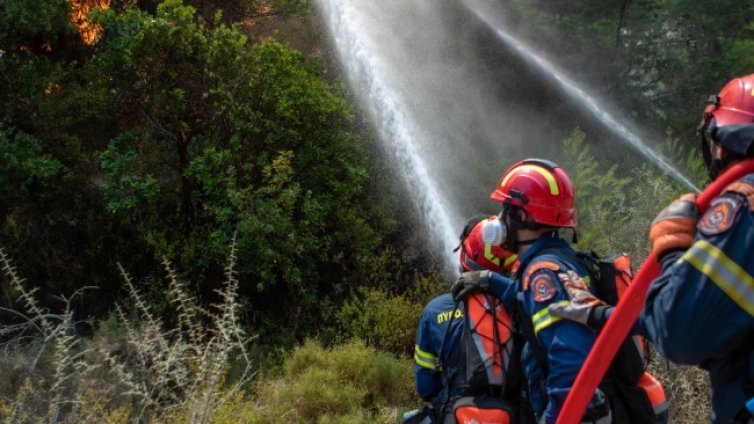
[[370, 79], [588, 102]]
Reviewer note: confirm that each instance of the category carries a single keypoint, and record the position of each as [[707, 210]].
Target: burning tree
[[79, 13]]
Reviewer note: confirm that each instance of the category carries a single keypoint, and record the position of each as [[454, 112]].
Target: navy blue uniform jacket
[[566, 343], [700, 310]]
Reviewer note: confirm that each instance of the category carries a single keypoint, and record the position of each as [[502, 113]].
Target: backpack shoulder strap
[[527, 330], [457, 306], [443, 370]]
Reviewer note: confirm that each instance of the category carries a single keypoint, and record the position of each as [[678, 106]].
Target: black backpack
[[635, 396]]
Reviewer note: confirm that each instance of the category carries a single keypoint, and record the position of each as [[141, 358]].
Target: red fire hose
[[628, 309]]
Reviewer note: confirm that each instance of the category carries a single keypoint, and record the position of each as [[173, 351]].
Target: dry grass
[[144, 373], [687, 389]]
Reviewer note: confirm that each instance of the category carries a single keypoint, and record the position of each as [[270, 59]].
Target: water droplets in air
[[428, 75], [587, 101], [370, 79]]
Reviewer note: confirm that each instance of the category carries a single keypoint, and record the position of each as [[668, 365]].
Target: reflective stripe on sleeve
[[424, 359], [726, 274], [543, 319]]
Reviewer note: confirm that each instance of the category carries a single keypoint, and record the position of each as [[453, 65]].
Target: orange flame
[[89, 32]]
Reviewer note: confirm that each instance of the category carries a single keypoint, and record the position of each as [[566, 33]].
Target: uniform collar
[[545, 240]]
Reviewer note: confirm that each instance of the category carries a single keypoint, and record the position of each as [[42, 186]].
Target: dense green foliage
[[347, 384], [659, 57], [385, 321], [615, 204], [166, 139]]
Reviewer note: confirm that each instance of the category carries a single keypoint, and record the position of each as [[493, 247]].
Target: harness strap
[[527, 328], [527, 324], [438, 359], [438, 365]]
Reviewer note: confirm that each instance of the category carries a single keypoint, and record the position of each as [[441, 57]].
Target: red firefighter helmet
[[734, 104], [542, 189], [727, 121], [476, 255]]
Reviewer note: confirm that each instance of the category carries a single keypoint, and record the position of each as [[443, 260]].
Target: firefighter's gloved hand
[[583, 307], [470, 282], [674, 228]]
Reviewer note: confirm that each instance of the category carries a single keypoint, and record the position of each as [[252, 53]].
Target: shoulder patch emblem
[[744, 186], [720, 216], [543, 287], [552, 266]]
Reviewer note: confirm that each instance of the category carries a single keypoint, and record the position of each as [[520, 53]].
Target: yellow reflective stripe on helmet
[[495, 259], [543, 319], [542, 171], [510, 259], [424, 359], [726, 274], [488, 254]]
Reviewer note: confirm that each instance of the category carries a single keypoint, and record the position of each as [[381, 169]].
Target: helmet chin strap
[[532, 241], [714, 168], [512, 242]]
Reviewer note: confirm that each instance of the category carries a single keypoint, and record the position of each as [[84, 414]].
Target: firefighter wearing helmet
[[538, 201], [438, 362], [700, 310]]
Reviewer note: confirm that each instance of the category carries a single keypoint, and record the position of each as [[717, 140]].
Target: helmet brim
[[729, 116]]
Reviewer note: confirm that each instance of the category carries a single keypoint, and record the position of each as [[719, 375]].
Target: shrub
[[348, 383], [381, 320]]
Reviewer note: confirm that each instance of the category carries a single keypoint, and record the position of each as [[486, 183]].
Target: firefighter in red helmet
[[476, 255], [440, 361], [726, 131], [700, 310], [538, 201]]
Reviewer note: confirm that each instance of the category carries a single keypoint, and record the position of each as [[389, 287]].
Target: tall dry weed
[[148, 372], [687, 389]]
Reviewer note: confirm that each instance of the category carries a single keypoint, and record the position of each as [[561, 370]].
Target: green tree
[[165, 138], [217, 137], [662, 57]]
